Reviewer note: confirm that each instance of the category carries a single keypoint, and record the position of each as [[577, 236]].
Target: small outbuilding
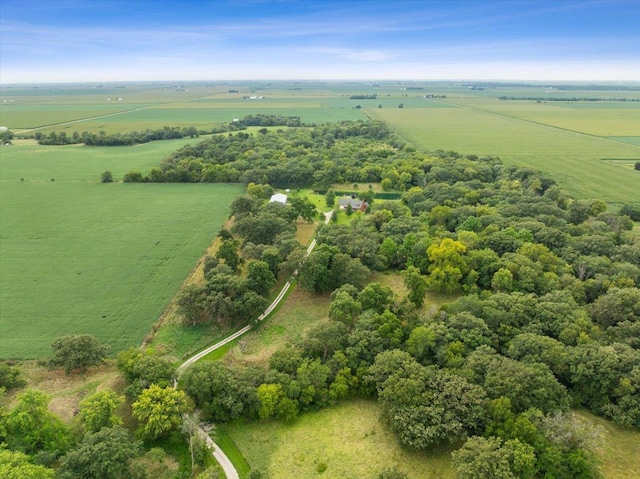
[[278, 198]]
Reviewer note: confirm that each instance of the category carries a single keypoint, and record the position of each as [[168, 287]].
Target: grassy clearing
[[620, 448], [67, 391], [78, 256], [300, 312], [348, 437]]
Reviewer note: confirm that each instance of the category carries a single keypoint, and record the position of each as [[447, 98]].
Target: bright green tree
[[447, 266], [99, 410], [269, 397], [16, 465], [159, 410], [32, 428]]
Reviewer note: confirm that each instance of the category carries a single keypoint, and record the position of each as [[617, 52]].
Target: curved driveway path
[[219, 455]]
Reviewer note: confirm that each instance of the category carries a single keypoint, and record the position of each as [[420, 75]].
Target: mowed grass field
[[78, 256], [350, 439], [347, 437], [568, 141]]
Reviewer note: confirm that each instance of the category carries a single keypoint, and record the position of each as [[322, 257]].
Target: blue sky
[[114, 40]]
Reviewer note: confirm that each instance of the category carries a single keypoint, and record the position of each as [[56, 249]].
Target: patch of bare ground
[[67, 391]]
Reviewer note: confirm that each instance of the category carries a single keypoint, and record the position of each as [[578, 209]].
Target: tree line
[[165, 133], [294, 158], [117, 139]]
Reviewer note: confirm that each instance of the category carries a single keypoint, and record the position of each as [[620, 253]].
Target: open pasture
[[347, 437], [78, 256], [350, 439]]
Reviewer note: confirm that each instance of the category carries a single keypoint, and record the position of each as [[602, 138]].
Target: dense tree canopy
[[546, 287], [105, 454]]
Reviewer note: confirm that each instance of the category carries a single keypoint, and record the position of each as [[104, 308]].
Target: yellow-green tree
[[99, 410], [447, 265], [159, 411], [16, 465]]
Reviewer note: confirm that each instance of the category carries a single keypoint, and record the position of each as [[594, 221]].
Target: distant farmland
[[78, 256], [568, 140], [141, 106]]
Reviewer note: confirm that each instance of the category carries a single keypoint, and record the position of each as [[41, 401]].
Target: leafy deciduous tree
[[490, 458], [31, 427], [159, 410], [105, 454], [16, 465], [99, 410], [77, 352], [416, 284]]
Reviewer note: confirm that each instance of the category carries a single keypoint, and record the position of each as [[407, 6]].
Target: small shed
[[278, 198]]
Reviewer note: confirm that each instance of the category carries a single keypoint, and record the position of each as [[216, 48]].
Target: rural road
[[219, 455]]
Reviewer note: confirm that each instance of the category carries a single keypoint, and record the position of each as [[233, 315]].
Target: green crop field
[[78, 256], [560, 143], [140, 106], [347, 437]]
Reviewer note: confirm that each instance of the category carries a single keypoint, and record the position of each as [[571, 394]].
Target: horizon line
[[324, 80]]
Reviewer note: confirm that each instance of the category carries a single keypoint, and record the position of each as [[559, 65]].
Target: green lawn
[[78, 256], [347, 437]]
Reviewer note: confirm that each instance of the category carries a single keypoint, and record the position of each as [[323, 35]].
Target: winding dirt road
[[219, 455]]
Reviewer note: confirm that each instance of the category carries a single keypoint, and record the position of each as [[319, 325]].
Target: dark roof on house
[[355, 203]]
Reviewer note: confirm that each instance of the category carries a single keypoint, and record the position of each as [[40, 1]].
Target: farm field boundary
[[571, 158], [78, 256]]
